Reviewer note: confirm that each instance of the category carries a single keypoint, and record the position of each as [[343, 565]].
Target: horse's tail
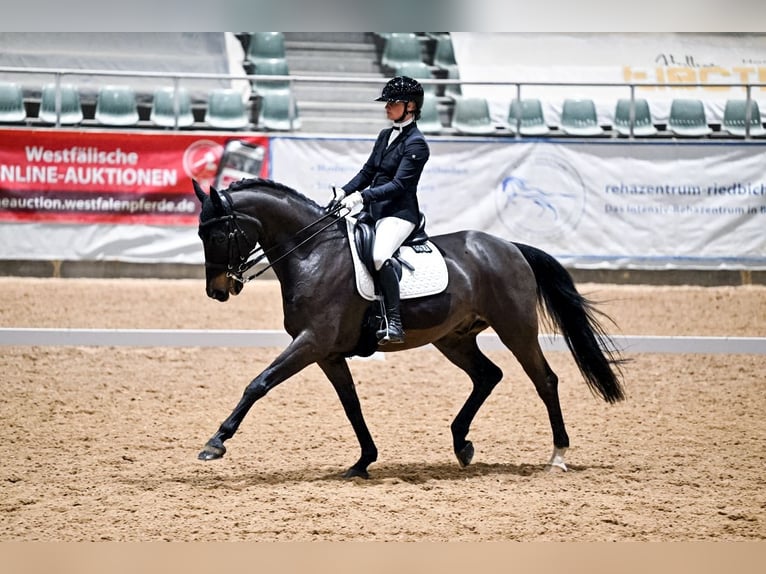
[[576, 318]]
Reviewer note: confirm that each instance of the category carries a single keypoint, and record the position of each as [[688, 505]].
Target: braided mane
[[243, 184]]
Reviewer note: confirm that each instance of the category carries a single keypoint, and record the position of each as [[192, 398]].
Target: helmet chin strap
[[404, 114]]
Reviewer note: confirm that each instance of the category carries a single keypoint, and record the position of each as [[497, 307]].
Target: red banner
[[123, 177]]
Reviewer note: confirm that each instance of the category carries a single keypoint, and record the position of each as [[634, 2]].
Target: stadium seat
[[444, 54], [265, 45], [735, 118], [642, 118], [70, 110], [12, 108], [278, 111], [453, 90], [471, 116], [419, 71], [270, 67], [401, 48], [687, 118], [226, 109], [429, 121], [527, 116], [578, 118], [164, 111], [116, 106]]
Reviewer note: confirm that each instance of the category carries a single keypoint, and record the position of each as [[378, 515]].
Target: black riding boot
[[391, 331]]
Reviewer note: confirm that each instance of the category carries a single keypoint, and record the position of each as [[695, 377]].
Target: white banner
[[620, 58], [606, 204], [648, 205]]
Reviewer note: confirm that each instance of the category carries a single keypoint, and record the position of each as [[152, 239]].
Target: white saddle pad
[[428, 278]]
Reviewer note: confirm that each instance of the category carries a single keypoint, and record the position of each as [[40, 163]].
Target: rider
[[387, 186]]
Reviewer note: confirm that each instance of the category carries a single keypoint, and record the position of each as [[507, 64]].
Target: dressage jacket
[[392, 174]]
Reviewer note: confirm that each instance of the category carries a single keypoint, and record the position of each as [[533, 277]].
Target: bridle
[[243, 253]]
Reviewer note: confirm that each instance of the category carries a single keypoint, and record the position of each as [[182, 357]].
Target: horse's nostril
[[220, 295]]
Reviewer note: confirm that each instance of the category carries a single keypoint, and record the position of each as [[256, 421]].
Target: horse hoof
[[355, 472], [212, 452], [557, 464], [465, 456]]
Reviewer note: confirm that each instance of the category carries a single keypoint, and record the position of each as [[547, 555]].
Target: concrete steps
[[331, 107]]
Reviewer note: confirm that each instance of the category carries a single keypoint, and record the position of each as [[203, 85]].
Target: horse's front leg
[[298, 355], [336, 369]]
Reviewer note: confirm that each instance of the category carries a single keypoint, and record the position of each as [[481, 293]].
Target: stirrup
[[387, 338], [389, 335]]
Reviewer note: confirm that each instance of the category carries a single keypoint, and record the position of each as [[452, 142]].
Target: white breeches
[[390, 233]]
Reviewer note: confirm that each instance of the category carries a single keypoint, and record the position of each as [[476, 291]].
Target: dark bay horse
[[492, 283]]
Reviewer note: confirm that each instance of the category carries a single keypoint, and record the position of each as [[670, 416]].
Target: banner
[[717, 63], [609, 204], [613, 204], [118, 177]]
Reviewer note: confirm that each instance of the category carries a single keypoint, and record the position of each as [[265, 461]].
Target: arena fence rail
[[277, 338]]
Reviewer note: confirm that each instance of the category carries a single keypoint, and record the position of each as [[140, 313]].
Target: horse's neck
[[280, 216]]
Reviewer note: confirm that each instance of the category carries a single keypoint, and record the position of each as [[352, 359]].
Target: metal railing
[[177, 79]]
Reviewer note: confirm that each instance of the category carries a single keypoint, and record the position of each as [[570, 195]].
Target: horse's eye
[[218, 238]]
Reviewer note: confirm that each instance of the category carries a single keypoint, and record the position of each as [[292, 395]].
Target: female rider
[[387, 186]]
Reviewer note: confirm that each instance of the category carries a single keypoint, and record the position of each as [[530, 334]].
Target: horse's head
[[226, 244]]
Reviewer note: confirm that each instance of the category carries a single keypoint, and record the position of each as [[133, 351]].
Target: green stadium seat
[[687, 118], [444, 54], [265, 45], [401, 48], [226, 109], [578, 118], [12, 108], [735, 118], [169, 114], [116, 106], [642, 118], [429, 122], [453, 90], [418, 71], [70, 110], [471, 116], [270, 67], [278, 111], [527, 117]]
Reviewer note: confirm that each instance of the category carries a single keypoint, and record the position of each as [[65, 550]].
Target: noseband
[[238, 246]]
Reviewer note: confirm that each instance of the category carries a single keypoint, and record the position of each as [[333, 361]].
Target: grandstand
[[331, 79]]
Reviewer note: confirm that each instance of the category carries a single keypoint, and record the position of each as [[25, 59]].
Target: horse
[[492, 282]]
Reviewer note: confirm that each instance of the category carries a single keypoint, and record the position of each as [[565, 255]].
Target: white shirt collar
[[405, 123]]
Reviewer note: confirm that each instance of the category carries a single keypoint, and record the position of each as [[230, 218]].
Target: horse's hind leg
[[526, 348], [464, 352]]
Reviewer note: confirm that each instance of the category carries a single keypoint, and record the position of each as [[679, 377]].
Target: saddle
[[426, 271], [364, 237]]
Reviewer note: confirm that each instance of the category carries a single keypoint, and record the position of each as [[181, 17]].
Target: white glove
[[352, 200]]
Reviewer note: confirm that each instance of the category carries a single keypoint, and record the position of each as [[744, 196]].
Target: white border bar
[[278, 338]]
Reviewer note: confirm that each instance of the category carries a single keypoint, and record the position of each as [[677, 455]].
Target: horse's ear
[[215, 196], [199, 191]]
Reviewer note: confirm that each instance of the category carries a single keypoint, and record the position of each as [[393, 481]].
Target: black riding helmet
[[403, 89]]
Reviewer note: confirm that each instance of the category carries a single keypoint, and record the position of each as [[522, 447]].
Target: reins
[[251, 263], [248, 262]]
